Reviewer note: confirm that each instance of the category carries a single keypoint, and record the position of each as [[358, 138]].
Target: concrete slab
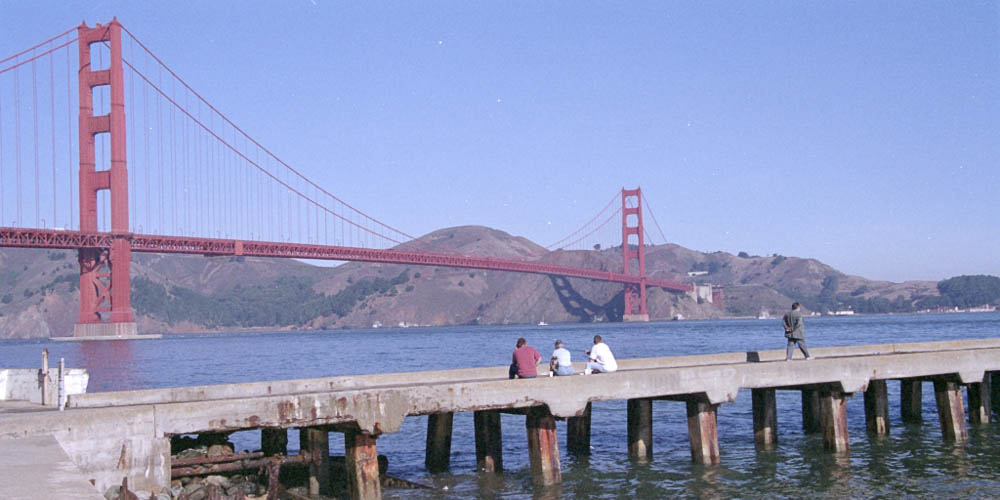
[[38, 467]]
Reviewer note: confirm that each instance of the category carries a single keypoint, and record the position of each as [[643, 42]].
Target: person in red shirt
[[524, 360]]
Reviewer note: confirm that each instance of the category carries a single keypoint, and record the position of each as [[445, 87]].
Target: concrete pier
[[578, 433], [437, 456], [98, 430], [316, 441], [765, 418], [833, 420], [274, 441], [361, 460], [489, 444], [911, 400], [543, 447], [703, 430], [877, 407], [951, 410], [640, 429], [979, 401], [810, 411]]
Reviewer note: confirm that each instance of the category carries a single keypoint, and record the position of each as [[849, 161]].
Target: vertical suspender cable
[[69, 134], [2, 197], [52, 130], [159, 152], [17, 141], [34, 113]]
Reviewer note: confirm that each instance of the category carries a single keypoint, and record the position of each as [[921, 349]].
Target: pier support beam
[[877, 407], [995, 391], [578, 433], [951, 411], [437, 456], [810, 411], [833, 420], [703, 431], [274, 441], [765, 418], [979, 401], [640, 429], [543, 446], [911, 400], [361, 464], [316, 441], [489, 448]]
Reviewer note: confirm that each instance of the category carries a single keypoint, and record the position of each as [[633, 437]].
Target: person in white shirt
[[560, 363], [601, 359]]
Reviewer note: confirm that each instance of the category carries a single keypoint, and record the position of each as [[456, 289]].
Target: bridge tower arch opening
[[633, 255], [105, 305]]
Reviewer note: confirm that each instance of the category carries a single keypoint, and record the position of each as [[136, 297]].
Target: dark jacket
[[794, 326]]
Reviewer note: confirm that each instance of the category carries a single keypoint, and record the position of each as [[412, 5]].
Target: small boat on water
[[542, 323]]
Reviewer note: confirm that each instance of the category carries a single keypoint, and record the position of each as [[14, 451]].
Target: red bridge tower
[[634, 250], [105, 307]]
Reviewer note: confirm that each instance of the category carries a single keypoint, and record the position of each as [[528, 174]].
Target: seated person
[[524, 360], [601, 359], [560, 363]]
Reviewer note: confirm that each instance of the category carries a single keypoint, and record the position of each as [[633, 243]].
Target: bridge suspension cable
[[590, 227]]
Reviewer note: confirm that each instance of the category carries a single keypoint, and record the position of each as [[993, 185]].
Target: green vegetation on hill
[[961, 291], [285, 301]]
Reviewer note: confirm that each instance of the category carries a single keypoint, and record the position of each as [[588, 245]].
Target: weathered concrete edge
[[303, 386]]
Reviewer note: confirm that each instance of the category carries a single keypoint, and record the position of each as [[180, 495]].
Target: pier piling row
[[131, 430]]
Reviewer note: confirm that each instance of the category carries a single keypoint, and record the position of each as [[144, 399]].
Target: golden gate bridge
[[202, 186]]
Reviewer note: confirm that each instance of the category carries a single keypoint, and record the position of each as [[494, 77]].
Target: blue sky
[[862, 134]]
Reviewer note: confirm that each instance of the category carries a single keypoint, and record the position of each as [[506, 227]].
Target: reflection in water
[[109, 363]]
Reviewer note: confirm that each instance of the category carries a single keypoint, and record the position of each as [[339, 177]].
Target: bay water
[[912, 461]]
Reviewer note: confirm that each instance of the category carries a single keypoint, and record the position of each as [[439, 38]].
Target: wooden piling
[[911, 400], [765, 418], [810, 411], [877, 407], [489, 447], [703, 431], [833, 420], [274, 441], [437, 456], [979, 401], [578, 433], [316, 440], [361, 463], [640, 429], [543, 446], [951, 412]]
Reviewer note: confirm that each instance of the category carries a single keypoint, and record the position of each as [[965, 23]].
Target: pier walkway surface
[[111, 436]]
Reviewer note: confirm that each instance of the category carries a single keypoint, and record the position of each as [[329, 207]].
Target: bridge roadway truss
[[72, 240]]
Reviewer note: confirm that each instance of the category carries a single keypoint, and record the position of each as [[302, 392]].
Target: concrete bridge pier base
[[703, 431], [833, 420], [640, 429], [951, 411], [274, 441], [361, 463], [810, 411], [911, 400], [979, 401], [316, 441], [578, 433], [489, 447], [543, 447], [765, 418], [877, 407], [437, 456]]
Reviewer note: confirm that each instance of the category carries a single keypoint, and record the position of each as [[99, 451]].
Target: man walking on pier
[[795, 332]]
